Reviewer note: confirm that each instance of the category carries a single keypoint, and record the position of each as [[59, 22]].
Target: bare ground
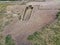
[[21, 29]]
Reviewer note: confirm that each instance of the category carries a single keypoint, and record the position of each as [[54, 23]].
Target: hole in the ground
[[27, 13]]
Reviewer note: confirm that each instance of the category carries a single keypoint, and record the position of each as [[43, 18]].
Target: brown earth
[[21, 29]]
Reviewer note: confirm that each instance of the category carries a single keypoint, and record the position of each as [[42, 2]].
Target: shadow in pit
[[27, 13]]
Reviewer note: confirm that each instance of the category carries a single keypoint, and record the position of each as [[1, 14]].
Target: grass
[[4, 21], [9, 40], [3, 8], [49, 35], [2, 15]]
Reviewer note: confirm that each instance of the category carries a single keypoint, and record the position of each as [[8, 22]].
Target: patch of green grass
[[9, 40]]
